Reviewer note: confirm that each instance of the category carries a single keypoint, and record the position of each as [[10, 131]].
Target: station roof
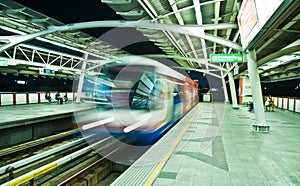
[[24, 17]]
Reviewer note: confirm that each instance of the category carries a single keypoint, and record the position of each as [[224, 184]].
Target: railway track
[[21, 151], [62, 160], [66, 164]]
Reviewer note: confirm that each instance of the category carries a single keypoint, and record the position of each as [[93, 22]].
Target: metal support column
[[224, 88], [232, 89], [81, 78], [260, 125]]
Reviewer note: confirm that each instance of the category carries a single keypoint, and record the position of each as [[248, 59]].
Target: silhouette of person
[[48, 96], [59, 98]]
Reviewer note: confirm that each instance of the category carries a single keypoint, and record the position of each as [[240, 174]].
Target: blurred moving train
[[140, 98]]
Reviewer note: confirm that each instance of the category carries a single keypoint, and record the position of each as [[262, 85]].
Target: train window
[[147, 80]]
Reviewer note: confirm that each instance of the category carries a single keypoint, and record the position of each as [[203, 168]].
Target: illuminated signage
[[44, 71], [226, 58], [21, 82], [3, 62]]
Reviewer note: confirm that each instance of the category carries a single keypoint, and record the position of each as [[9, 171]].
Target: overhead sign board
[[265, 9], [247, 18], [3, 62], [44, 71], [253, 16], [226, 58]]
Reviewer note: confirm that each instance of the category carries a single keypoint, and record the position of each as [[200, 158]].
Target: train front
[[137, 103]]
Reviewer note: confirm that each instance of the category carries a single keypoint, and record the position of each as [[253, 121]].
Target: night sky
[[68, 11]]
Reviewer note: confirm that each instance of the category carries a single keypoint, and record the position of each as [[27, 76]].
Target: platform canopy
[[277, 50]]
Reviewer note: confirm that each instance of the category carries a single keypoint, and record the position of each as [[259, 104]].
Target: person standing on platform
[[269, 103]]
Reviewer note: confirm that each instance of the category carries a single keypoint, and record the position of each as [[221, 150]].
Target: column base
[[260, 128], [235, 107]]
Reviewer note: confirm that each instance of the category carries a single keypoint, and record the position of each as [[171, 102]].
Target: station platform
[[24, 123], [18, 115], [215, 145]]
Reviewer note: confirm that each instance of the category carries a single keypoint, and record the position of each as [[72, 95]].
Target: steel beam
[[196, 31]]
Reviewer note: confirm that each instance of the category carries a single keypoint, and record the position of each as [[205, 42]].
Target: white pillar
[[81, 78], [232, 88], [260, 125], [224, 88]]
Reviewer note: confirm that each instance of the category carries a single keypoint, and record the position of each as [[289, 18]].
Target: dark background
[[8, 83]]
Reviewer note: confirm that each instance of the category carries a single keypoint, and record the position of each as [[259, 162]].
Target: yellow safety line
[[27, 178], [167, 156]]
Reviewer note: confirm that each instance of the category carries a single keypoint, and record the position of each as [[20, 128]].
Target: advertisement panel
[[253, 15]]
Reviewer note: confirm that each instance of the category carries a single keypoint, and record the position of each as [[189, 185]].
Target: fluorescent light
[[53, 67], [286, 58], [12, 30], [21, 82]]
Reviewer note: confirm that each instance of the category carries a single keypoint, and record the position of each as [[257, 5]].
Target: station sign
[[3, 63], [236, 70], [226, 58], [45, 71]]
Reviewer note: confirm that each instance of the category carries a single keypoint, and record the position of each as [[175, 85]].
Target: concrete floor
[[217, 150]]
